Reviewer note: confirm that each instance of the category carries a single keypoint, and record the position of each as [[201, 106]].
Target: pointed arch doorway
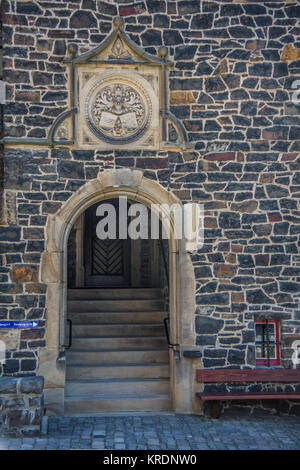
[[54, 272]]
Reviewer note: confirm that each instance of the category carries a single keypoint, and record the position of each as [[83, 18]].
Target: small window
[[267, 342]]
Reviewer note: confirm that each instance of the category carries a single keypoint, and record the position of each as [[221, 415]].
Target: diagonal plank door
[[107, 257], [107, 262]]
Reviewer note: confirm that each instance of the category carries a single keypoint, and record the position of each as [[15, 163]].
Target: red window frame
[[264, 361]]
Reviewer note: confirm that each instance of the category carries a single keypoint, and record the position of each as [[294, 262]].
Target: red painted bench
[[246, 376]]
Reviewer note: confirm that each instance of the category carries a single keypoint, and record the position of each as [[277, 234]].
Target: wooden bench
[[246, 376]]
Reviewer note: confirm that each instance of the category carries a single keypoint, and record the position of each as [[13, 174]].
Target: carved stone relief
[[118, 112], [62, 132], [118, 51], [119, 108]]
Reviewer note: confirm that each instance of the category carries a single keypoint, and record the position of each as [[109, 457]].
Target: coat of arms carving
[[120, 109], [118, 112]]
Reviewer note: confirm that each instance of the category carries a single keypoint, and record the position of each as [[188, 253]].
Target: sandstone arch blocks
[[109, 184]]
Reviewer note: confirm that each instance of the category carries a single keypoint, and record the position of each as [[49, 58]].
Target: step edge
[[96, 337], [122, 312], [121, 379], [109, 397], [121, 364], [91, 322], [115, 350]]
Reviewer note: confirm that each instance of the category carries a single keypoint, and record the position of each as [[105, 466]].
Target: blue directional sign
[[19, 324]]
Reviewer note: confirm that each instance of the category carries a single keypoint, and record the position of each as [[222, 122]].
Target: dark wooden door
[[107, 262]]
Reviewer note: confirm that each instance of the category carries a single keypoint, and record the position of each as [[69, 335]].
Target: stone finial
[[162, 52], [73, 49], [118, 22]]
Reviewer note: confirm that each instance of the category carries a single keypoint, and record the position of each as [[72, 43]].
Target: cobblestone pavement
[[164, 431]]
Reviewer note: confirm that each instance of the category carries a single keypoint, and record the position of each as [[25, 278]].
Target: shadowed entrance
[[119, 358]]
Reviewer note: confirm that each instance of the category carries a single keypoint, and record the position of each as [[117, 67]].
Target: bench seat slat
[[248, 375], [248, 396]]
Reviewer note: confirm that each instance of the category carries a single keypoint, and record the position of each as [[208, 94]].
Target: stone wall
[[1, 126], [21, 406], [235, 65]]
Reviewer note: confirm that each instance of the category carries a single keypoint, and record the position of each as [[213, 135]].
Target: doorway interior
[[117, 303]]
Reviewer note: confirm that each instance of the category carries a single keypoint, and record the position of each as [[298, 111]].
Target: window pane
[[272, 352], [271, 332], [259, 352], [264, 329], [264, 333], [258, 332]]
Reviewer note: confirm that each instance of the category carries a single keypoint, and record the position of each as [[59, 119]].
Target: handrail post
[[167, 319]]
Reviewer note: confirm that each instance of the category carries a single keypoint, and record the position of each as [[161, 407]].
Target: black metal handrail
[[166, 323], [167, 319]]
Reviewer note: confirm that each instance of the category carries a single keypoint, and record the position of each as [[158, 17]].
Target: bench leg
[[215, 409]]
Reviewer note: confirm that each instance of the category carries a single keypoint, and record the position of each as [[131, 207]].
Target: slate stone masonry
[[21, 406], [232, 85]]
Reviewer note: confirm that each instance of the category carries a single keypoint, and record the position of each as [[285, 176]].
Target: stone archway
[[109, 184]]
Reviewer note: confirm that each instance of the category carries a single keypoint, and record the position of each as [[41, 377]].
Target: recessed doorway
[[119, 357]]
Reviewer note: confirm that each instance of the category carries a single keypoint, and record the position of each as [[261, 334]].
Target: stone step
[[119, 360], [111, 357], [115, 305], [115, 294], [93, 330], [131, 342], [113, 386], [107, 371], [117, 317], [82, 405]]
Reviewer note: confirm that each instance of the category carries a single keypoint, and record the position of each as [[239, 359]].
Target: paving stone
[[161, 432]]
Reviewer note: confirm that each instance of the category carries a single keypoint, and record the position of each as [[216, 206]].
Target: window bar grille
[[268, 343]]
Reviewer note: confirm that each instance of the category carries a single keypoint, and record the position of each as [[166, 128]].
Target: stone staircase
[[119, 359]]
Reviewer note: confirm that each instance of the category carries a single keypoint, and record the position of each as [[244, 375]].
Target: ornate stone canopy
[[118, 98]]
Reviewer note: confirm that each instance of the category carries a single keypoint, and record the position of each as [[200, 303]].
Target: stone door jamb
[[111, 184]]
